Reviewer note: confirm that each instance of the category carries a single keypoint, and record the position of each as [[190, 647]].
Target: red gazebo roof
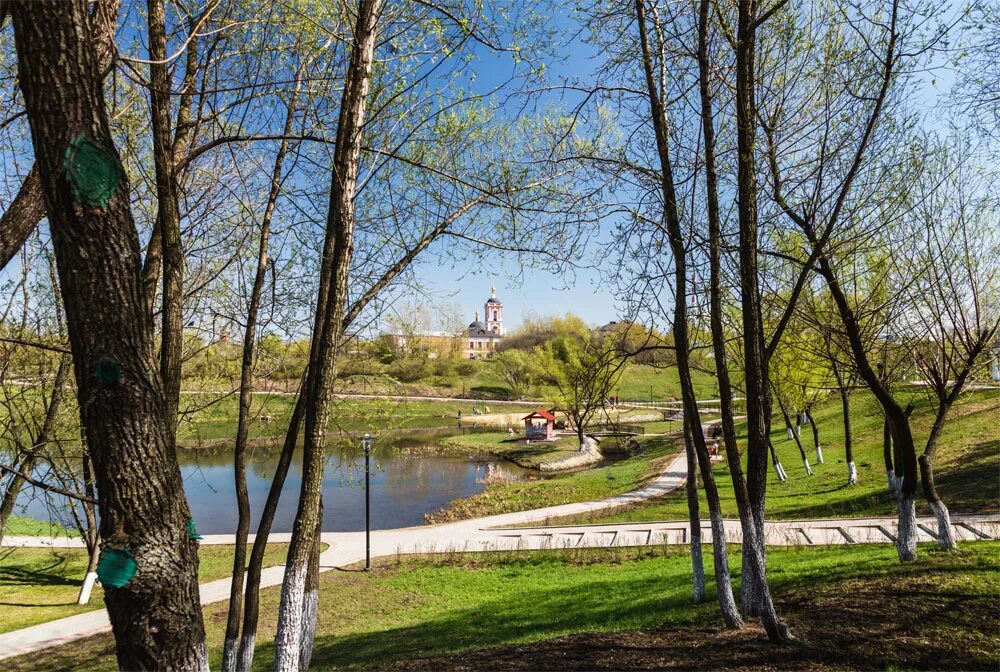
[[540, 414]]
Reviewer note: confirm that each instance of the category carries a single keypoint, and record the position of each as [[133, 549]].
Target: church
[[484, 338]]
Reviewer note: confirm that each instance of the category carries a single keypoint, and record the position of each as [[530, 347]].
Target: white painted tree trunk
[[247, 644], [946, 537], [310, 613], [819, 454], [288, 638], [852, 473], [906, 535], [88, 586], [779, 471], [698, 568], [891, 478], [790, 434], [805, 462]]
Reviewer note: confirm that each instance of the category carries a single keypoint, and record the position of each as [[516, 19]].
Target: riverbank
[[630, 473], [629, 608]]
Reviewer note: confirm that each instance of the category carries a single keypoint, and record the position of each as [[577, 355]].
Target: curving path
[[508, 531]]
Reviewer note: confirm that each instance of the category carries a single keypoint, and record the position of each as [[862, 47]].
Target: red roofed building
[[540, 425]]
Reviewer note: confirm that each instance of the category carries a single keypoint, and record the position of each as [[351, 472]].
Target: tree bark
[[327, 332], [168, 217], [845, 403], [815, 431], [251, 608], [658, 113], [156, 616], [694, 519], [28, 207]]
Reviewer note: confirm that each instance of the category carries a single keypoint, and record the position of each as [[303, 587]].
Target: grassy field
[[638, 382], [967, 466], [40, 584], [502, 445], [29, 527], [850, 608], [603, 481]]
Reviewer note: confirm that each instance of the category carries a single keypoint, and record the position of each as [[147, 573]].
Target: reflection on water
[[404, 486]]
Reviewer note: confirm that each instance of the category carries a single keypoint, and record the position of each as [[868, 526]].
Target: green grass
[[637, 381], [40, 584], [502, 445], [865, 607], [603, 481], [29, 527], [967, 466]]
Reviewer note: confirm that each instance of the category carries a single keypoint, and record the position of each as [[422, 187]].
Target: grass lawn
[[637, 382], [967, 467], [41, 584], [29, 527], [850, 608], [604, 481], [527, 455]]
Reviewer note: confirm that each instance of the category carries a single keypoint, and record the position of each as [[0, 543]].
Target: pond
[[406, 482]]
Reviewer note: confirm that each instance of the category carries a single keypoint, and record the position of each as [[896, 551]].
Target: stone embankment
[[589, 454]]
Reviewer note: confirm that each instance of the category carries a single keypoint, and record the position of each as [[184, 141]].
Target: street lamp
[[367, 443]]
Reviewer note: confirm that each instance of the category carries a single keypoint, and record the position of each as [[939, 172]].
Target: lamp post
[[367, 443]]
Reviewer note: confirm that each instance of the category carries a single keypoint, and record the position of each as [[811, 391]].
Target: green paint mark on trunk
[[93, 172], [116, 567]]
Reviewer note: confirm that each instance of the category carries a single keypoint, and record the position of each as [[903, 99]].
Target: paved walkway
[[507, 531]]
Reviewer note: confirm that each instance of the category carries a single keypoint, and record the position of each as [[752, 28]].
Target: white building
[[484, 338]]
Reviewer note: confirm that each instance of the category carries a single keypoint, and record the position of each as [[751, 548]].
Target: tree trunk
[[168, 217], [156, 616], [251, 607], [890, 475], [25, 466], [815, 431], [778, 469], [852, 470], [310, 609], [236, 590], [795, 435], [946, 537], [28, 207], [727, 603], [694, 518], [328, 327]]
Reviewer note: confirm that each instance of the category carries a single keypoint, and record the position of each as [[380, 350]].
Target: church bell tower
[[494, 313]]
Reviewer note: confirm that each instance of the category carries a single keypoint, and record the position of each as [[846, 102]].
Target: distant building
[[485, 337]]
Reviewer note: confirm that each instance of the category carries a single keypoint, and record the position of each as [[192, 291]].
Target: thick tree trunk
[[694, 519], [328, 327], [156, 616], [727, 603], [28, 207]]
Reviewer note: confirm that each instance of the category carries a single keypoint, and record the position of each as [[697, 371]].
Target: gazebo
[[539, 425]]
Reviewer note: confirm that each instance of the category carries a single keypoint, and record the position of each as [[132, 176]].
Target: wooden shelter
[[539, 425]]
